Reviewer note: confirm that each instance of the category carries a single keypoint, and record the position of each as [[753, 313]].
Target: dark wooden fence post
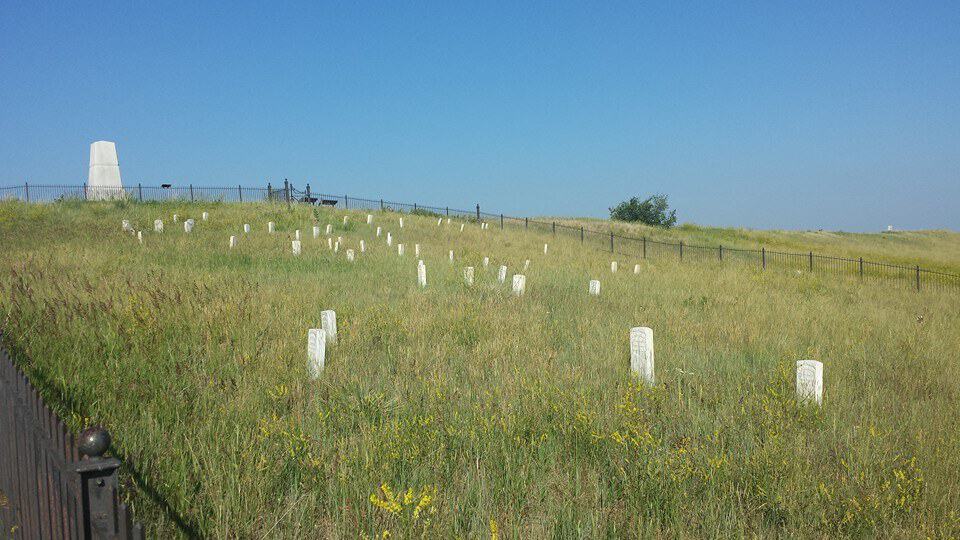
[[861, 267], [721, 252], [918, 278], [611, 241], [581, 234], [526, 223], [811, 261], [644, 247], [681, 250], [501, 222], [763, 257], [448, 211], [554, 228]]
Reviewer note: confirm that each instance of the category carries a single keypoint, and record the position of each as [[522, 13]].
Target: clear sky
[[798, 115]]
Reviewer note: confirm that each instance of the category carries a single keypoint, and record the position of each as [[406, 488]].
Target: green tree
[[652, 211]]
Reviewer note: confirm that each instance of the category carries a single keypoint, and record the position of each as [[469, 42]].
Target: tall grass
[[456, 411]]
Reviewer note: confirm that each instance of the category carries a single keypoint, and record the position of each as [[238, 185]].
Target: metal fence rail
[[53, 485], [642, 247]]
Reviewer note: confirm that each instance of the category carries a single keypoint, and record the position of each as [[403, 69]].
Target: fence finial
[[93, 442]]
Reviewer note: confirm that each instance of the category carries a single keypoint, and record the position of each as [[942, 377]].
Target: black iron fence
[[641, 247], [53, 484]]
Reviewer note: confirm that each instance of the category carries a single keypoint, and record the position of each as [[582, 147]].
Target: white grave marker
[[422, 274], [810, 381], [316, 231], [316, 351], [340, 239], [641, 353], [448, 221], [369, 219], [486, 262], [188, 226], [378, 232], [344, 220], [461, 227], [271, 226], [296, 247], [246, 228], [328, 321], [350, 255], [502, 274], [401, 223], [176, 218], [595, 287], [400, 250], [519, 284], [439, 222], [233, 242], [205, 216], [636, 269], [125, 225], [363, 247], [416, 250], [296, 234], [329, 243], [140, 236], [613, 266], [526, 265], [329, 229], [158, 225], [389, 239], [468, 275], [336, 247], [451, 255], [545, 248]]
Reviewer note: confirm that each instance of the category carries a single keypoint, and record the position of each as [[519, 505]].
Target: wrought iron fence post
[[448, 211], [308, 193], [346, 202], [811, 261], [414, 207], [381, 205], [681, 250], [239, 192], [554, 228], [721, 252], [763, 257], [26, 189], [501, 222], [526, 223], [286, 191], [140, 190], [98, 485], [611, 241], [581, 234], [191, 192], [478, 212], [918, 278], [269, 192]]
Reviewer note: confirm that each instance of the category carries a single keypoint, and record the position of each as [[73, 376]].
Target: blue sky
[[771, 115]]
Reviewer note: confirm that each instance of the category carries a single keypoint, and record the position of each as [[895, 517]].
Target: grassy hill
[[464, 411]]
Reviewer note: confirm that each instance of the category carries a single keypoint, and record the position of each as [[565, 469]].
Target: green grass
[[488, 410]]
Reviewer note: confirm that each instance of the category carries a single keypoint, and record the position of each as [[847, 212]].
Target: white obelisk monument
[[104, 179]]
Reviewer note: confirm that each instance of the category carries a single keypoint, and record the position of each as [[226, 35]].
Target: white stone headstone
[[246, 228], [205, 216], [188, 226], [329, 229], [271, 226], [595, 287], [340, 239], [296, 234], [416, 250], [158, 225], [468, 275], [296, 247], [344, 220], [363, 247], [461, 227], [316, 351], [400, 250], [502, 274], [176, 218], [328, 321], [350, 255], [439, 222], [329, 243], [378, 232], [140, 236], [641, 353], [526, 265], [336, 247], [519, 284], [486, 262], [401, 223], [233, 242], [389, 239], [369, 219], [545, 248], [448, 221], [613, 266], [451, 255], [636, 269], [810, 381], [103, 179], [422, 274], [316, 231], [125, 226]]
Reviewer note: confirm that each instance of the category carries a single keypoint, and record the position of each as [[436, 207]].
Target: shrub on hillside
[[651, 211]]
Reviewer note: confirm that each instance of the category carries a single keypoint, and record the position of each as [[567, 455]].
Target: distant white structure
[[889, 228], [103, 181]]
